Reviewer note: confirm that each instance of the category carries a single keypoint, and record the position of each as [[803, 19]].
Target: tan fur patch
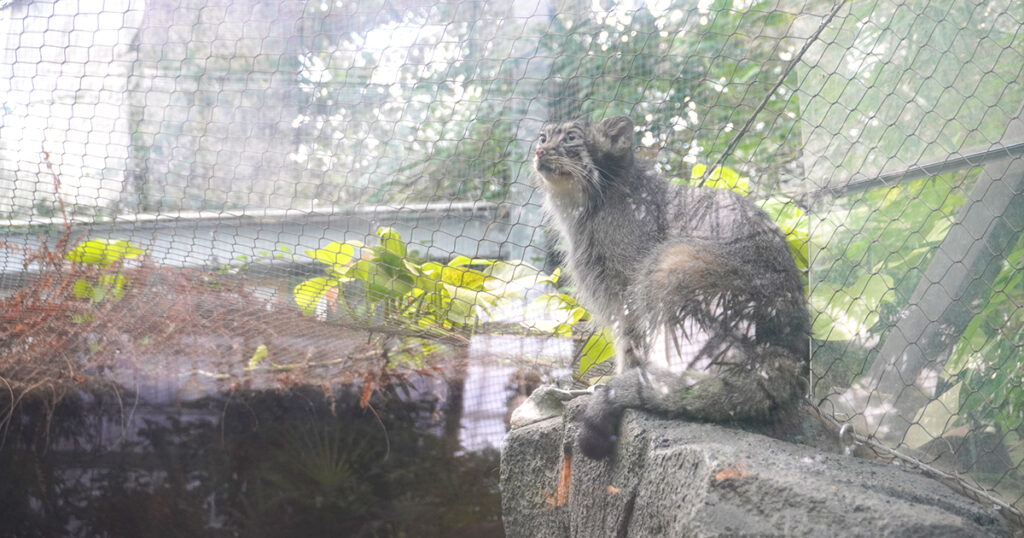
[[681, 260]]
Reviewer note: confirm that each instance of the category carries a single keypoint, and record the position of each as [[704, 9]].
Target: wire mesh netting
[[237, 192]]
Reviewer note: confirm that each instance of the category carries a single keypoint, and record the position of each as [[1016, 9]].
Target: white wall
[[63, 76]]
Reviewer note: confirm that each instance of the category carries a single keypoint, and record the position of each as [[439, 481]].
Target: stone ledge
[[678, 478]]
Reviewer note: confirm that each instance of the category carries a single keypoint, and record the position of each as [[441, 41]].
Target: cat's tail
[[727, 289], [738, 392]]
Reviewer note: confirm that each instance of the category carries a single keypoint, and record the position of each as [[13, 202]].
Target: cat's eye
[[570, 137], [543, 138]]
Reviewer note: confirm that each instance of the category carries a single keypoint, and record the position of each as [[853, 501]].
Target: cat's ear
[[616, 135]]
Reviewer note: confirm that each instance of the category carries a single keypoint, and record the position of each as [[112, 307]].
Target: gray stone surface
[[677, 478]]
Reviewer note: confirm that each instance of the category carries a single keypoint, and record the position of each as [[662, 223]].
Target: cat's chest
[[613, 240], [627, 223]]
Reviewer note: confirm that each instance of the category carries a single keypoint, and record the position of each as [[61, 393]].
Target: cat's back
[[718, 215]]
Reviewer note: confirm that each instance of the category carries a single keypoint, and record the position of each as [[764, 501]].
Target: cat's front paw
[[596, 442], [600, 424]]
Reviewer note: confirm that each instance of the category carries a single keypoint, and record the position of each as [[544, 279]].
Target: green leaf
[[308, 294], [82, 289], [557, 313], [462, 308], [460, 261], [412, 267], [427, 284], [334, 254], [940, 229], [99, 294], [844, 313], [392, 241], [599, 348], [464, 278], [552, 278], [360, 270], [81, 318], [379, 283], [910, 260], [114, 284], [258, 356], [722, 177], [398, 287], [124, 249], [103, 252], [510, 279], [432, 269]]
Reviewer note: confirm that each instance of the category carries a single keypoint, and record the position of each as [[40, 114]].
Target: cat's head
[[579, 155]]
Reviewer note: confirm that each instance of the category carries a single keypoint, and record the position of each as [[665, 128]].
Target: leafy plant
[[874, 249], [598, 348], [562, 314], [988, 357], [102, 254], [848, 312], [721, 177], [245, 262], [689, 77], [382, 128], [394, 288]]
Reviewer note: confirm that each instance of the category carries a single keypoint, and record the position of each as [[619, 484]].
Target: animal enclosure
[[279, 193]]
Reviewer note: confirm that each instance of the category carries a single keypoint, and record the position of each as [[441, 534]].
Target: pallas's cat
[[662, 263]]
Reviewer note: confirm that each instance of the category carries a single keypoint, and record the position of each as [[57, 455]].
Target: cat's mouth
[[552, 173]]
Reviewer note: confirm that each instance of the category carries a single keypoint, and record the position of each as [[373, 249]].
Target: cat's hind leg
[[750, 390]]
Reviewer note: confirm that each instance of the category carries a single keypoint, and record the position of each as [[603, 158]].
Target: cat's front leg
[[631, 346], [604, 410]]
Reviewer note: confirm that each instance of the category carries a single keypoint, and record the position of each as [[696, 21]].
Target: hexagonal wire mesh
[[265, 175]]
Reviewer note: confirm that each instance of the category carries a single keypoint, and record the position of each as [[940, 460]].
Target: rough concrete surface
[[678, 478]]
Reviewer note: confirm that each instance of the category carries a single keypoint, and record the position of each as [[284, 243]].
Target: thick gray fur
[[651, 258]]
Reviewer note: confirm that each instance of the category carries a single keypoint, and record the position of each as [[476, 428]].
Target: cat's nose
[[540, 152]]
